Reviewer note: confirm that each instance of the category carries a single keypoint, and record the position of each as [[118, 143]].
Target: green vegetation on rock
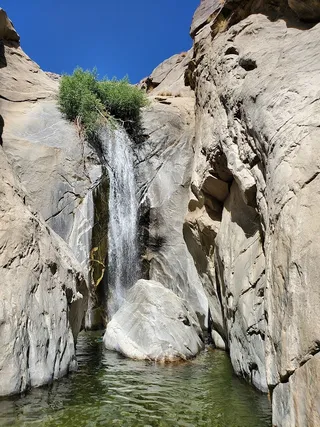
[[90, 103]]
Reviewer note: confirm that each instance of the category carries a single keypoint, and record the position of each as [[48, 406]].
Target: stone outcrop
[[205, 13], [257, 130], [154, 324], [164, 165], [7, 31], [67, 179], [168, 78], [298, 399], [53, 220], [228, 181], [43, 294]]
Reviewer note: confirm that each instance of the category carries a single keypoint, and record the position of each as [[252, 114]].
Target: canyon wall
[[254, 212], [53, 221], [163, 169], [229, 213], [64, 178], [43, 294]]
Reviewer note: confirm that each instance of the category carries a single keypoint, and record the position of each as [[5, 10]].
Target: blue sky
[[118, 37]]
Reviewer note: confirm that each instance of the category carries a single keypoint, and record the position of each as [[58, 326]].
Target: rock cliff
[[67, 182], [52, 215], [253, 214], [228, 189], [43, 294], [164, 165]]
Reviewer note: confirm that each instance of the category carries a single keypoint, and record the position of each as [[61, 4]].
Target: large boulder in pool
[[154, 324]]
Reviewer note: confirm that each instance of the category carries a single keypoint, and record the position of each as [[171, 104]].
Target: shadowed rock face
[[220, 14], [7, 31], [308, 10], [205, 13], [1, 129], [257, 129]]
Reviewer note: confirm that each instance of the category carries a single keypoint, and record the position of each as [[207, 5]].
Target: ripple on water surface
[[109, 390]]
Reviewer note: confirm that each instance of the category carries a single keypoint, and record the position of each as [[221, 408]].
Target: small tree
[[124, 102], [90, 102]]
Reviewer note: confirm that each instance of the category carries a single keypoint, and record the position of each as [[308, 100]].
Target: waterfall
[[123, 257]]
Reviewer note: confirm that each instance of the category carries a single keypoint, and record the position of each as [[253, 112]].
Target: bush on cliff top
[[90, 103]]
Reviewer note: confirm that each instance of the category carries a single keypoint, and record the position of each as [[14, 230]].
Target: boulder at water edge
[[154, 324]]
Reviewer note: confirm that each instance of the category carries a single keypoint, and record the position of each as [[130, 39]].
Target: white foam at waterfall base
[[123, 211]]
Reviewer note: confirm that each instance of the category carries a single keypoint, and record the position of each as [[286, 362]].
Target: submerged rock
[[154, 324]]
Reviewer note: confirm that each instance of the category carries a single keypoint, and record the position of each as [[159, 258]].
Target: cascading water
[[123, 256]]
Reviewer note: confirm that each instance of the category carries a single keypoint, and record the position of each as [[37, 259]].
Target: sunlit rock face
[[52, 180], [163, 169], [154, 324], [257, 129], [43, 294], [63, 176], [227, 182]]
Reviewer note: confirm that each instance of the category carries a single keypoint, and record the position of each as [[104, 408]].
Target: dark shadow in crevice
[[292, 21], [246, 217], [248, 64], [273, 10], [232, 51], [144, 224], [1, 129], [3, 61]]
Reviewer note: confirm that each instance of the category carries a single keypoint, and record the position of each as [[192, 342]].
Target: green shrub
[[90, 102]]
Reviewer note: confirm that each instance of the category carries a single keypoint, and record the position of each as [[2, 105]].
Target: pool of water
[[109, 390]]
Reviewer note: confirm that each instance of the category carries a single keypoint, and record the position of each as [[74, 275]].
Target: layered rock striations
[[50, 182], [64, 177], [228, 190], [43, 294], [163, 169], [253, 215]]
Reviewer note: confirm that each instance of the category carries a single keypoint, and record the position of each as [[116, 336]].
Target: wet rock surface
[[154, 324]]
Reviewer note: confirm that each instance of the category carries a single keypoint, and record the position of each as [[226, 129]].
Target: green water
[[109, 390]]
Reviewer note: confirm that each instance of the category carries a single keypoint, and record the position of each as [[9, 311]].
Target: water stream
[[109, 390], [123, 209]]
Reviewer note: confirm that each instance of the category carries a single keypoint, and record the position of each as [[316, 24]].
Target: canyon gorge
[[204, 231]]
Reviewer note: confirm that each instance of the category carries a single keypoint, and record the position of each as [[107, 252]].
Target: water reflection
[[109, 390]]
